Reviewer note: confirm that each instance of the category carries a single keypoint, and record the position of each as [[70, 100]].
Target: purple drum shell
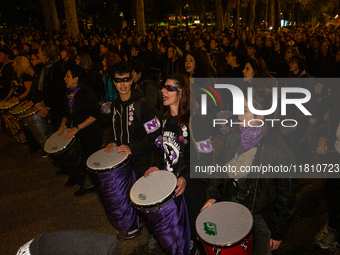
[[113, 188]]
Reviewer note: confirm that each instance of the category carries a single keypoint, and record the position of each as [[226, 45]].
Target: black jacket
[[130, 127], [272, 198]]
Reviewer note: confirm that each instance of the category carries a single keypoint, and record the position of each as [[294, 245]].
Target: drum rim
[[232, 244], [61, 149], [226, 245], [156, 204], [159, 205], [9, 106], [28, 113], [21, 112], [104, 170]]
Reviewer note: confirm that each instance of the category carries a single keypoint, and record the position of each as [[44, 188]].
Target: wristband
[[78, 128]]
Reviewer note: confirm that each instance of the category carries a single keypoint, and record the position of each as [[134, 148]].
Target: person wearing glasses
[[135, 122]]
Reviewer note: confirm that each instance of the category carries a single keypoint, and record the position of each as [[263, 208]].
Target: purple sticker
[[204, 146], [152, 125]]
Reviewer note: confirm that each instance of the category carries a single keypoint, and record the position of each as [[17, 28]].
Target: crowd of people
[[145, 79]]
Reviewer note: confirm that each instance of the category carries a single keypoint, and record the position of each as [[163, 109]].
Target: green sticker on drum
[[210, 228]]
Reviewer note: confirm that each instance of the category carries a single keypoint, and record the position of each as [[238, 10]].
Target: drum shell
[[113, 185], [69, 156], [40, 127], [244, 247]]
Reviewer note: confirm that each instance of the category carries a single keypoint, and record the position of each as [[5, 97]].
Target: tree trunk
[[251, 14], [204, 13], [237, 16], [50, 15], [219, 15], [266, 15], [71, 17], [180, 16], [271, 13], [140, 23], [277, 14]]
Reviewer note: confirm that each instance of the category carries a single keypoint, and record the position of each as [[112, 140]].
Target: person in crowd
[[67, 57], [81, 119], [131, 114], [175, 144], [329, 146], [174, 61], [144, 85], [326, 60], [109, 60], [151, 56], [203, 45], [239, 45], [6, 71], [218, 56], [226, 44], [91, 79], [49, 90], [136, 53], [270, 200], [36, 64], [312, 55], [235, 60], [278, 57], [251, 50]]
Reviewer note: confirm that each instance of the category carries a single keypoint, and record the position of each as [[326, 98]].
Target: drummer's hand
[[61, 130], [181, 184], [322, 147], [209, 203], [29, 103], [123, 149], [109, 147], [150, 170], [14, 99], [71, 132], [274, 245], [44, 111]]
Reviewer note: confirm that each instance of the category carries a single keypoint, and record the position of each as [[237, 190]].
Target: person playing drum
[[271, 200], [81, 119], [135, 122], [175, 143]]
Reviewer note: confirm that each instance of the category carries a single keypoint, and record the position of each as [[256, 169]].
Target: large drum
[[11, 121], [165, 214], [225, 228], [40, 127], [113, 175], [19, 109], [66, 152]]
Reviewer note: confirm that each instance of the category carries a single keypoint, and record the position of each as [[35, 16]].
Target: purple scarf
[[70, 95], [250, 136]]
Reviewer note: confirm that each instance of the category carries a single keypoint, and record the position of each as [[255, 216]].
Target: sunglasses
[[125, 79], [170, 88]]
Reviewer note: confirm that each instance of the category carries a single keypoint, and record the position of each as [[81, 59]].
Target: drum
[[65, 152], [113, 175], [11, 121], [40, 127], [19, 109], [225, 228], [165, 214]]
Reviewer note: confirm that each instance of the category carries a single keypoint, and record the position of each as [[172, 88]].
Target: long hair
[[259, 67], [183, 97], [85, 61], [24, 66], [201, 69]]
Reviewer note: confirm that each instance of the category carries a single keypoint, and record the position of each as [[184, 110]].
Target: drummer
[[271, 201], [6, 71], [20, 87], [135, 122], [83, 120]]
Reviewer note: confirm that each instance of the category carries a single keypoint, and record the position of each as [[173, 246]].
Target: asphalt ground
[[34, 200]]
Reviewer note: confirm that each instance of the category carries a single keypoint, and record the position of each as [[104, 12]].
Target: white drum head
[[153, 189], [101, 160], [57, 143], [224, 223], [20, 109]]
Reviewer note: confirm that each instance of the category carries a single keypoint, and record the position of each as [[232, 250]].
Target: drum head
[[5, 105], [224, 224], [102, 160], [20, 109], [56, 143], [27, 113], [153, 189]]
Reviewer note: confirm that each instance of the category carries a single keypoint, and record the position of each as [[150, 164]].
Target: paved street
[[34, 200]]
